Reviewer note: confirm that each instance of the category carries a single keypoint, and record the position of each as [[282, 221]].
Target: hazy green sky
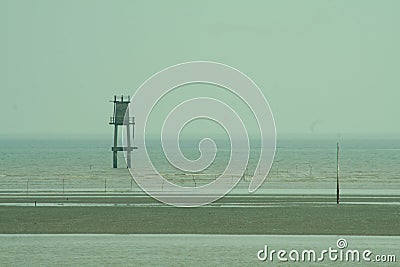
[[324, 66]]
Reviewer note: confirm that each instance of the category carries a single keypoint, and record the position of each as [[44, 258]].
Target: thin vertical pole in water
[[337, 173], [105, 185], [194, 180], [63, 185]]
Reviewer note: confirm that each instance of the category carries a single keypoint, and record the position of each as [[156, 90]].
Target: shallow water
[[180, 250]]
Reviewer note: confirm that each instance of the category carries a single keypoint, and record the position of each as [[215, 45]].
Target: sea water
[[367, 165], [189, 250]]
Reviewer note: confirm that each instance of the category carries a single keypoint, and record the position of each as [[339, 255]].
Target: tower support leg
[[115, 146], [128, 143]]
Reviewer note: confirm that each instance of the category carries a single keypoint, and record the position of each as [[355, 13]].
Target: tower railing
[[113, 120]]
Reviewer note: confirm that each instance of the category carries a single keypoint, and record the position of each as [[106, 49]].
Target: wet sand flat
[[275, 215]]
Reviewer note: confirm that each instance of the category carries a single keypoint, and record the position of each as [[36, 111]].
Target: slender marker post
[[194, 180], [337, 174]]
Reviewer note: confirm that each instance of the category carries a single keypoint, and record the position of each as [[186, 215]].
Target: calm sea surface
[[184, 250], [300, 164]]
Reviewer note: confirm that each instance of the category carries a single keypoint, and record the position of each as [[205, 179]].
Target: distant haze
[[326, 67]]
